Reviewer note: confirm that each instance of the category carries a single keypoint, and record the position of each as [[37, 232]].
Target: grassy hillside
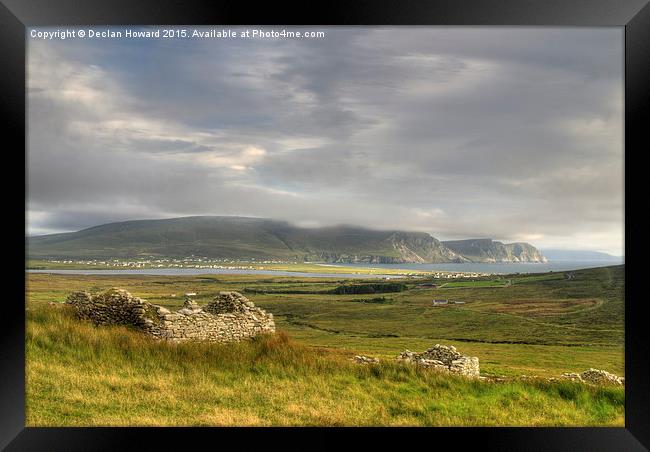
[[542, 324], [79, 375], [227, 237], [241, 238]]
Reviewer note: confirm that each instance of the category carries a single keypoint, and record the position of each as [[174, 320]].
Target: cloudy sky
[[509, 133]]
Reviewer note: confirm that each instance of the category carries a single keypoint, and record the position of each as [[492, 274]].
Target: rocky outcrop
[[443, 358], [229, 317], [596, 377]]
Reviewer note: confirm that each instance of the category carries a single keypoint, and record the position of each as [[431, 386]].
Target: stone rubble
[[229, 317], [443, 358], [361, 359], [595, 376]]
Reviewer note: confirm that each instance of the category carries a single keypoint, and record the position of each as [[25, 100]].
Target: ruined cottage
[[443, 358], [228, 317]]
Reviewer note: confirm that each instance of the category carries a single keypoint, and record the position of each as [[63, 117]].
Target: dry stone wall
[[113, 307], [229, 317]]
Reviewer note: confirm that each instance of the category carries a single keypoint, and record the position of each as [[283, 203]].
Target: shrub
[[368, 288]]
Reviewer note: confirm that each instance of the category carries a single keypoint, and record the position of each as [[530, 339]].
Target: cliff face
[[488, 250], [393, 248], [422, 248], [524, 252]]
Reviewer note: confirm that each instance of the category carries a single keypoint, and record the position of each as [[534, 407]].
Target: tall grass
[[78, 374]]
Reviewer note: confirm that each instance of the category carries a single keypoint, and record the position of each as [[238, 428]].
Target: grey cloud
[[506, 132]]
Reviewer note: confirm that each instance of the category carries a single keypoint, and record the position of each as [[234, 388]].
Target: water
[[468, 267], [506, 268], [206, 271]]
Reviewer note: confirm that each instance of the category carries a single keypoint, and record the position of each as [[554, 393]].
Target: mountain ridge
[[488, 250], [233, 237]]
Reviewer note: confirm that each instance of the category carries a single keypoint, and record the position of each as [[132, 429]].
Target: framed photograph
[[359, 214]]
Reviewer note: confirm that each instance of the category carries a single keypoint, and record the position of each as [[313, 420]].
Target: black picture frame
[[634, 15]]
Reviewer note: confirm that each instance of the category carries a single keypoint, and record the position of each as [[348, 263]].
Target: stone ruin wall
[[229, 317], [595, 376], [443, 358]]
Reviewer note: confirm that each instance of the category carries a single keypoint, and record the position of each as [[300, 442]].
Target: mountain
[[258, 238], [579, 255], [487, 250]]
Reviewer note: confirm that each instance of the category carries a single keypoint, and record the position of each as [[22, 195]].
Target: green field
[[476, 284], [540, 325]]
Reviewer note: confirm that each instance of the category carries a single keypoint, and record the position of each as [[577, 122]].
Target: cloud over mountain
[[510, 133]]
